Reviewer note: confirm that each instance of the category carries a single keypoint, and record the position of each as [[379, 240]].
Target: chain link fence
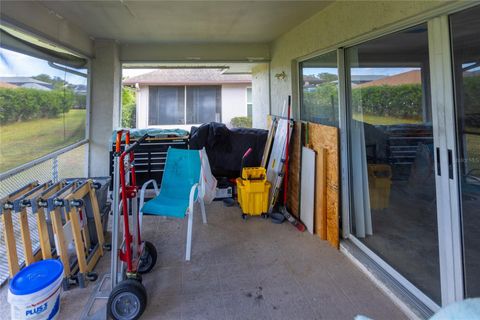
[[70, 164]]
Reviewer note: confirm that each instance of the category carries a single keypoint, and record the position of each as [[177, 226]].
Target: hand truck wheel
[[148, 258], [92, 276], [127, 301]]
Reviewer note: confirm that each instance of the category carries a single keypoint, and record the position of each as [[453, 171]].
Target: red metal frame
[[128, 191]]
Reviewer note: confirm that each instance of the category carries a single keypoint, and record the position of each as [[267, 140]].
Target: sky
[[14, 64]]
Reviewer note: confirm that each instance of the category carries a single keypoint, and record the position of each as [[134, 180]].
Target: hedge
[[241, 122], [402, 101], [22, 104]]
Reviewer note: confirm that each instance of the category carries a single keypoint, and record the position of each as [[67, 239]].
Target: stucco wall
[[260, 95], [142, 107], [105, 105], [339, 22], [234, 101]]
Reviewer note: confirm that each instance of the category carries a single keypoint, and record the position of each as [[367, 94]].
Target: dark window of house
[[203, 104], [319, 93], [166, 105]]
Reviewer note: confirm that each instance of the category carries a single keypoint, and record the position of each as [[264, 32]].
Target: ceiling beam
[[226, 52]]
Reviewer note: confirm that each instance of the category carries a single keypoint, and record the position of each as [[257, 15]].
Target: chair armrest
[[144, 188], [192, 196]]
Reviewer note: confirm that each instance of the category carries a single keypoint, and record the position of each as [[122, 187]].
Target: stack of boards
[[313, 190]]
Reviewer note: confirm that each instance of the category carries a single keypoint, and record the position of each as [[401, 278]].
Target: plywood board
[[325, 137], [321, 194], [307, 204], [293, 197]]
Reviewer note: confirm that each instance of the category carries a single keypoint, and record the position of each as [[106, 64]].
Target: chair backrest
[[182, 170]]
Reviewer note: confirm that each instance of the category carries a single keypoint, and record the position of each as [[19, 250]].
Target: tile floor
[[245, 270]]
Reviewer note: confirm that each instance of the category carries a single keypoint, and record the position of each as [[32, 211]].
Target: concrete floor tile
[[200, 279], [246, 305], [244, 270], [237, 277], [164, 282], [203, 306], [169, 308]]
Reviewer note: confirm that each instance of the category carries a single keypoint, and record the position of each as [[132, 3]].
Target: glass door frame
[[447, 183], [447, 180]]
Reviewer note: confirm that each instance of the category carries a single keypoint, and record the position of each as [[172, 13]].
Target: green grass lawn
[[25, 141]]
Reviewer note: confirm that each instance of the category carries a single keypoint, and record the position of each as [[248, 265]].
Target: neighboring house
[[27, 82], [184, 97], [409, 77], [358, 79], [7, 85]]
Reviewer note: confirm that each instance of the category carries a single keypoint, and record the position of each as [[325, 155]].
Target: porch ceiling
[[182, 21]]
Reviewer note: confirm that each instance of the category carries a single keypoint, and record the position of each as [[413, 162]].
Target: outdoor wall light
[[281, 76]]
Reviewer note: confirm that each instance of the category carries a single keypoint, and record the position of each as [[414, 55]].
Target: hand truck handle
[[136, 143]]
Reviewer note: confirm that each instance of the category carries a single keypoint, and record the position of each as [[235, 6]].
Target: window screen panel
[[203, 104], [166, 105]]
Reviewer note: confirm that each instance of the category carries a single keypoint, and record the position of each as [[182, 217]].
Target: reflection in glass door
[[392, 155], [465, 32]]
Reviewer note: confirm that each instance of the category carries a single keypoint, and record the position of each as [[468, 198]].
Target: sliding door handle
[[450, 164], [439, 170]]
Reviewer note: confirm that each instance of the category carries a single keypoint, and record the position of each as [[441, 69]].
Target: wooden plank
[[293, 197], [321, 194], [10, 245], [77, 239], [307, 205], [26, 239], [97, 218], [43, 235], [61, 247], [268, 143], [8, 231], [325, 137]]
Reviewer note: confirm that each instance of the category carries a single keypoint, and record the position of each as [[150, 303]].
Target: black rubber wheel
[[265, 215], [127, 301], [244, 216], [148, 258]]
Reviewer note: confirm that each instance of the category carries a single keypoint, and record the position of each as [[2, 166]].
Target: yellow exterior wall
[[338, 23]]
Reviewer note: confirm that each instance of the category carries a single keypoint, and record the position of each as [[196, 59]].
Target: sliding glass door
[[392, 167], [465, 34]]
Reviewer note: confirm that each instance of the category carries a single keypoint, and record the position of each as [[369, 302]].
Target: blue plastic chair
[[181, 187]]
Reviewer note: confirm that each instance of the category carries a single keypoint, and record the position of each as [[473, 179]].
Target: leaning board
[[293, 197], [307, 202], [324, 137]]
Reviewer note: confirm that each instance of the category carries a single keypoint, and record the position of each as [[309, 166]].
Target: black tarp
[[225, 147]]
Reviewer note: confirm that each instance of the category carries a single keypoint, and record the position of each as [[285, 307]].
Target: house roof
[[409, 77], [187, 76], [7, 85], [21, 80]]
